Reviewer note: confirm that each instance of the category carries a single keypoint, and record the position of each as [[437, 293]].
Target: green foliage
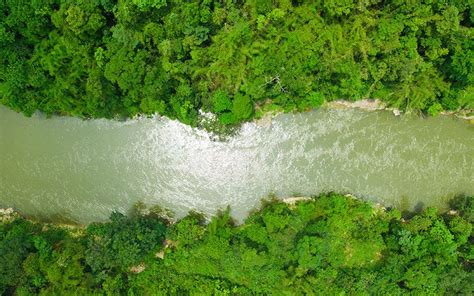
[[435, 109], [117, 245], [146, 4], [465, 205], [330, 244], [241, 107], [122, 58], [16, 241], [221, 102]]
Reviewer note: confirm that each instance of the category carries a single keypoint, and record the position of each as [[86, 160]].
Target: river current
[[82, 170]]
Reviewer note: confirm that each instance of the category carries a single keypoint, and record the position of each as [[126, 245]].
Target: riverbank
[[233, 58], [8, 215], [377, 104], [336, 243], [369, 105]]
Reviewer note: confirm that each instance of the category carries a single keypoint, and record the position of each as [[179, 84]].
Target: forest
[[330, 244], [239, 59], [236, 59]]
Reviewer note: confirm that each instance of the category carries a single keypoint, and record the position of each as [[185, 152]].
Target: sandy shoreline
[[376, 104], [367, 105]]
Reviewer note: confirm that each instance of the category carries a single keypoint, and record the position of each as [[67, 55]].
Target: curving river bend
[[82, 170]]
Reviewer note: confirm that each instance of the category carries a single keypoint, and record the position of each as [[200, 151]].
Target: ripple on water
[[88, 168]]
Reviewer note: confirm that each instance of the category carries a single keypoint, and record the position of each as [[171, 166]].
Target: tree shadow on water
[[63, 217], [408, 212]]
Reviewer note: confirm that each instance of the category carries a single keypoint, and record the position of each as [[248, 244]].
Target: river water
[[82, 170]]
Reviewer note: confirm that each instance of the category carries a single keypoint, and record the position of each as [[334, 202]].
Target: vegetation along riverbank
[[329, 244], [235, 59]]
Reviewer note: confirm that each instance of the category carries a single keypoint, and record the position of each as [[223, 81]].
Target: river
[[82, 170]]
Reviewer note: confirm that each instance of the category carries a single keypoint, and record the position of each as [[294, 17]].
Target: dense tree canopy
[[235, 58], [328, 245]]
